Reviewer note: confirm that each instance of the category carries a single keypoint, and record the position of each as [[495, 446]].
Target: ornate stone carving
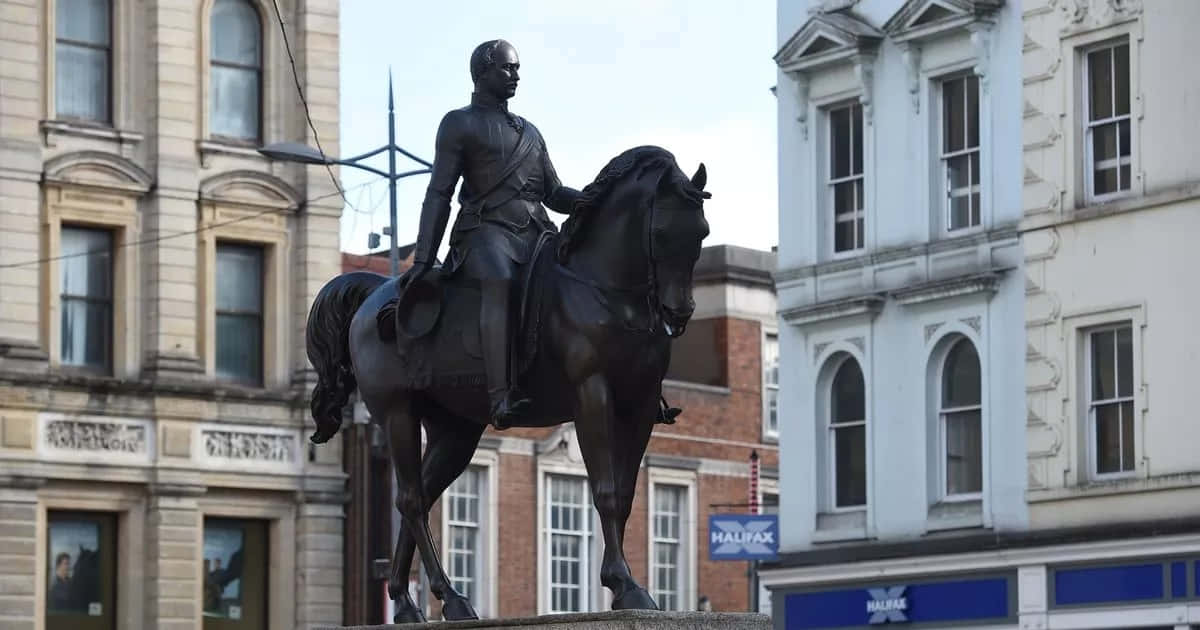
[[911, 54], [975, 322], [819, 349], [801, 80], [859, 343], [930, 329], [864, 72], [265, 447], [102, 437]]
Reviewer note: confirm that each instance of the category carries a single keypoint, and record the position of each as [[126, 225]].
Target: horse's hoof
[[635, 598], [407, 611], [458, 609]]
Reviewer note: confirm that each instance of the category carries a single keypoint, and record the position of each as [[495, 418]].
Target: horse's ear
[[700, 178]]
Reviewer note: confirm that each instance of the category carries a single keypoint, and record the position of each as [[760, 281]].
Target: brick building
[[155, 277], [520, 477]]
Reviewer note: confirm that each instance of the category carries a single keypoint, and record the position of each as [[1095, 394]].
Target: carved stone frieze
[[930, 329], [240, 445], [819, 349], [98, 437], [975, 322], [859, 343]]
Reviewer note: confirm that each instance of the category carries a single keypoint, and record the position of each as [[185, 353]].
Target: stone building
[[900, 303], [155, 277], [722, 375]]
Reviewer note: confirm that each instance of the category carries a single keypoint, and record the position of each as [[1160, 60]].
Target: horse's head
[[676, 229]]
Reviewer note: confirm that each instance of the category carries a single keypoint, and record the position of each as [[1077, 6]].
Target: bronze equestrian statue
[[580, 322]]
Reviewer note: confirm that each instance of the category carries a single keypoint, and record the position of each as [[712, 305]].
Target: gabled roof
[[917, 19], [826, 38]]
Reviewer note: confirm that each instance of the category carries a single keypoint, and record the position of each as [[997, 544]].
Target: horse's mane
[[636, 159]]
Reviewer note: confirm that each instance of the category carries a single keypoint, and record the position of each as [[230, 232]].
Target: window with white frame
[[569, 537], [770, 364], [235, 70], [83, 59], [960, 151], [465, 504], [848, 436], [846, 176], [960, 422], [1110, 399], [86, 284], [1107, 139], [239, 313], [668, 564]]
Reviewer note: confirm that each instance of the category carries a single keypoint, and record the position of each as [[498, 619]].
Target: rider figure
[[507, 176]]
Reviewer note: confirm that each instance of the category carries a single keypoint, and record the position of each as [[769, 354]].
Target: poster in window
[[224, 547], [75, 573]]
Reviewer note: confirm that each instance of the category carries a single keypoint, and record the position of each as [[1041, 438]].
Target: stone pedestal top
[[611, 620]]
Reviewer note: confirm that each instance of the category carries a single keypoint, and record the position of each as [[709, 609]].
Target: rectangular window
[[770, 363], [82, 59], [86, 281], [235, 574], [569, 528], [81, 550], [1107, 140], [239, 278], [464, 548], [846, 176], [960, 151], [1110, 399], [670, 553], [769, 503]]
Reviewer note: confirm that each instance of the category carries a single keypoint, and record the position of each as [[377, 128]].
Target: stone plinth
[[612, 620]]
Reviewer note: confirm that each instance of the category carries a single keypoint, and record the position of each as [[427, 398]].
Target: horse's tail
[[328, 335]]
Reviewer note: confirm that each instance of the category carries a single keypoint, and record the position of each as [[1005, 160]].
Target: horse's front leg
[[608, 447]]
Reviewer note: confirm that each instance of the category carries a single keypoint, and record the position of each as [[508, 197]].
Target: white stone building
[[901, 294], [155, 276]]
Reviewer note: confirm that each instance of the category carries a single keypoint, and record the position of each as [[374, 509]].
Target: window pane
[[843, 236], [81, 82], [952, 116], [973, 111], [85, 275], [86, 267], [960, 212], [1121, 59], [859, 202], [1100, 84], [849, 398], [839, 130], [856, 139], [85, 21], [1108, 438], [234, 102], [1104, 142], [239, 278], [859, 232], [236, 33], [1124, 142], [1103, 370], [1127, 419], [850, 465], [961, 379], [86, 333], [964, 453], [239, 348], [1106, 180], [844, 200], [958, 170]]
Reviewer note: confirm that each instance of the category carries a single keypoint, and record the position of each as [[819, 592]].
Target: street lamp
[[304, 154]]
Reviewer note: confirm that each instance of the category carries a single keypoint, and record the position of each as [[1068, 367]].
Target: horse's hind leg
[[450, 443]]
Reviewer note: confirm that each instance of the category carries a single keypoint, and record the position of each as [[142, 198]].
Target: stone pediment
[[925, 19], [827, 39], [97, 169], [249, 188]]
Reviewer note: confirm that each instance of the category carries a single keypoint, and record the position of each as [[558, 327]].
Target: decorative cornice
[[907, 24], [265, 189], [987, 282], [838, 309], [114, 171]]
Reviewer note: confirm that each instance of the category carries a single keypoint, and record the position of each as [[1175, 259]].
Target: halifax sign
[[743, 536]]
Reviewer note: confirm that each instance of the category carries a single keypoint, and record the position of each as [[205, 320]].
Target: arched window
[[959, 422], [848, 435], [235, 81]]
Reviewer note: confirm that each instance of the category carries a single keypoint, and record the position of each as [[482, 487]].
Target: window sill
[[244, 149], [841, 526], [699, 387], [1119, 486], [948, 515], [51, 129], [1111, 207]]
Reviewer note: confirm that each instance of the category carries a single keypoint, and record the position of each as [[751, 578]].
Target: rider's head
[[494, 66]]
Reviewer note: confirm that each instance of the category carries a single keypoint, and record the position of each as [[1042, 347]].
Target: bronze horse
[[617, 287]]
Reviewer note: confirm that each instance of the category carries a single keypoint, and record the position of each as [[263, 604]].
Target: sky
[[597, 78]]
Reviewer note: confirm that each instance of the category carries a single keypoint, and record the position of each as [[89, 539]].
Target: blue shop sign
[[1136, 582], [982, 600], [743, 536]]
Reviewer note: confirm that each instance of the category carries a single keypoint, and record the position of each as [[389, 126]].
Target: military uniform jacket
[[506, 174]]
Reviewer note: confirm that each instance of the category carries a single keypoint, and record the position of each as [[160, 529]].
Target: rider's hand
[[414, 274]]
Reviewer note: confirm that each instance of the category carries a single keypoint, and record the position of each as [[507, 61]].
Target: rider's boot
[[495, 313]]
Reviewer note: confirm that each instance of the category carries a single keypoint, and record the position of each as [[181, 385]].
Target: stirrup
[[666, 413]]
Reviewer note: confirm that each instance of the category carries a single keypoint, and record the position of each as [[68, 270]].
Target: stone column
[[319, 572], [174, 531], [18, 557]]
